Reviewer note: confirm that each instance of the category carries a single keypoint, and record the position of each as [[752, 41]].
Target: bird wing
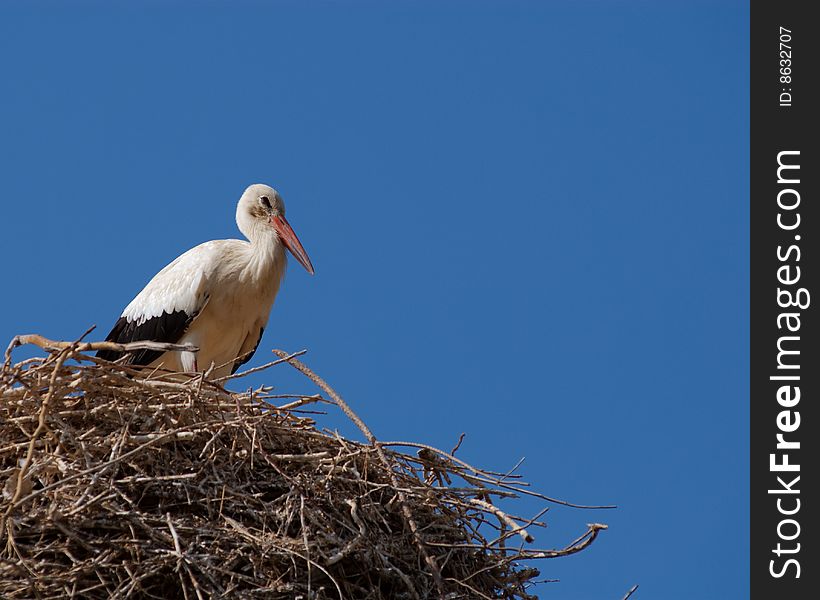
[[166, 307], [247, 351]]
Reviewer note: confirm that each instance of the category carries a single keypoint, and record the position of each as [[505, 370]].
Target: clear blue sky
[[529, 223]]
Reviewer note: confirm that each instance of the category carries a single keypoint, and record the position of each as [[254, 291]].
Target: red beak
[[292, 243]]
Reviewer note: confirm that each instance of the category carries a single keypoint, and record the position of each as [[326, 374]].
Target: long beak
[[292, 243]]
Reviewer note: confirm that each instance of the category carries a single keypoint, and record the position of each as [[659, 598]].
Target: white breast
[[226, 289]]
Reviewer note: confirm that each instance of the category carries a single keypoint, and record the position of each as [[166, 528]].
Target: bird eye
[[264, 201]]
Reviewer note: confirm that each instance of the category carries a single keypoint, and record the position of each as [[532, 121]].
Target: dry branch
[[118, 486]]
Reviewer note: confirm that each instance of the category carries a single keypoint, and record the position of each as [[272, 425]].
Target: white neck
[[266, 260]]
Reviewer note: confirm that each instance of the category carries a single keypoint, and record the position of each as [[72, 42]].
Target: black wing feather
[[168, 328], [250, 354]]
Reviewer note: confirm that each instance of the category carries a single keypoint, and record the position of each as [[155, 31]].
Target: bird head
[[261, 208]]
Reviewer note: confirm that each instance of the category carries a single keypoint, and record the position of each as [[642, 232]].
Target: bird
[[216, 296]]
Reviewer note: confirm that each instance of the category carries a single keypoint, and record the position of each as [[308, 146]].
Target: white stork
[[217, 296]]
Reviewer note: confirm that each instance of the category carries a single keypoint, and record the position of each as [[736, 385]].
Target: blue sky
[[529, 223]]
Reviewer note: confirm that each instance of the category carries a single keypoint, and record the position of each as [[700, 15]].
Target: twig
[[582, 542], [47, 344], [493, 481], [177, 547], [515, 527], [458, 443], [267, 365]]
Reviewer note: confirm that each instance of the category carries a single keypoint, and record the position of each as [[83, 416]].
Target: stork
[[216, 296]]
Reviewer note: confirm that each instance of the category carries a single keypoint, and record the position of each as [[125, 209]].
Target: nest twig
[[122, 484]]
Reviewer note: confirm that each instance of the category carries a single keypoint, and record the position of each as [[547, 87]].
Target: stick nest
[[121, 485]]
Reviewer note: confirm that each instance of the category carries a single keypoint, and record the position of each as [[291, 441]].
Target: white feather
[[181, 285]]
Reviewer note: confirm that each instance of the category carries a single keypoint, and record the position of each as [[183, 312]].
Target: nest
[[118, 484]]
